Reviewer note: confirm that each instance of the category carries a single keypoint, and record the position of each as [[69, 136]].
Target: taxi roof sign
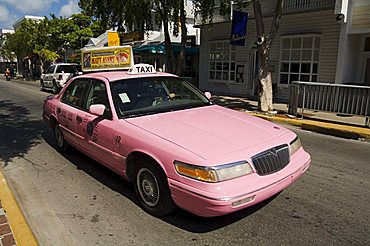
[[142, 68], [106, 58]]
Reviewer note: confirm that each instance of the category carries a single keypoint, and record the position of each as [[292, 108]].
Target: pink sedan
[[177, 148]]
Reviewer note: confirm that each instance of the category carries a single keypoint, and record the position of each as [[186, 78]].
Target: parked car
[[57, 75], [177, 147]]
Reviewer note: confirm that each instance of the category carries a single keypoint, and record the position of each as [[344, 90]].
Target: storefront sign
[[113, 39], [239, 28]]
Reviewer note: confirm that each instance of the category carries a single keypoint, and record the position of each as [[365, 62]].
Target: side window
[[50, 69], [97, 95], [59, 69], [74, 94]]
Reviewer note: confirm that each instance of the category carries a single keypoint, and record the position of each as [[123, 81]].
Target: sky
[[13, 10]]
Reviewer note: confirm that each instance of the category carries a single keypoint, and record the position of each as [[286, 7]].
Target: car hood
[[209, 131]]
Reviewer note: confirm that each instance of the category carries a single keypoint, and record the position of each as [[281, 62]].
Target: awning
[[160, 49], [150, 48]]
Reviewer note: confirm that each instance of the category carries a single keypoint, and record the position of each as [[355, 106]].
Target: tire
[[42, 86], [152, 189], [55, 88], [62, 145]]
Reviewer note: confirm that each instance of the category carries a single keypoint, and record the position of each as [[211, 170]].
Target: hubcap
[[148, 187]]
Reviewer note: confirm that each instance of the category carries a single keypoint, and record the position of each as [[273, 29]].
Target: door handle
[[78, 120]]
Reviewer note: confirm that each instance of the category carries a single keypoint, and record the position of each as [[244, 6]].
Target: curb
[[21, 230], [344, 131]]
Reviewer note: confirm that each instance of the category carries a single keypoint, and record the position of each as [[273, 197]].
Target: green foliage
[[46, 54], [136, 14], [205, 8]]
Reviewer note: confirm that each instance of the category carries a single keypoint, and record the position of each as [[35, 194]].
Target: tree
[[264, 43], [135, 14], [205, 9]]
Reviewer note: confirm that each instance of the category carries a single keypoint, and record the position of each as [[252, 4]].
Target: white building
[[318, 41], [18, 23]]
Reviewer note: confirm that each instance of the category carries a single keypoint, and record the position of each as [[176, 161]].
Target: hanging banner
[[239, 28]]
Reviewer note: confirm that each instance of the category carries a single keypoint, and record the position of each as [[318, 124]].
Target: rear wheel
[[62, 145], [152, 189], [55, 88]]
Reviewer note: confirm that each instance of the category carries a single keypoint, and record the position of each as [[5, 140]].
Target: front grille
[[271, 160]]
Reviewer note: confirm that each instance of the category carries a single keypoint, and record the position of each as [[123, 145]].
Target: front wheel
[[62, 145], [152, 189], [42, 86]]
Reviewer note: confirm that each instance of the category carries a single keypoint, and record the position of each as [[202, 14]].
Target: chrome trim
[[271, 160], [295, 139]]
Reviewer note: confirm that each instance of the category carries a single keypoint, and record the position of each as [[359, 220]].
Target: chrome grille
[[271, 160]]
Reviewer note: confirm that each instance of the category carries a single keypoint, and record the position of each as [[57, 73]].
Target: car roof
[[67, 64], [119, 75]]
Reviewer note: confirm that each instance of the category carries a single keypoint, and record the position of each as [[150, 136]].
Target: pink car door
[[95, 133], [69, 108]]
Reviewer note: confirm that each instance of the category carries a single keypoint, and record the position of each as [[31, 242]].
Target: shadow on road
[[96, 170], [192, 223], [18, 132], [179, 218], [233, 102]]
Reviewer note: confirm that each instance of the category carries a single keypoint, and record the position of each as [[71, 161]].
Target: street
[[72, 200]]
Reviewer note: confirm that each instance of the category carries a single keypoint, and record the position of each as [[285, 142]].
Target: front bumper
[[239, 193]]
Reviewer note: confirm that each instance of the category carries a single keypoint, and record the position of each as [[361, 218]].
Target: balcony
[[268, 6], [298, 6]]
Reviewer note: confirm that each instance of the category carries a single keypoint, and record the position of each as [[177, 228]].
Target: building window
[[367, 44], [299, 58], [222, 62]]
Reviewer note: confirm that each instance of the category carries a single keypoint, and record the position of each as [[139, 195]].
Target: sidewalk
[[347, 126], [14, 229]]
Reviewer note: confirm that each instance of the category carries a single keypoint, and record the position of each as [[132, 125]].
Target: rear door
[[71, 106], [48, 77]]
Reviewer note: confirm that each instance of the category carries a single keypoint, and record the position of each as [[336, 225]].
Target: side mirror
[[97, 109], [208, 95]]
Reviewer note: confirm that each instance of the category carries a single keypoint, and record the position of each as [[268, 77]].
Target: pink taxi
[[173, 143]]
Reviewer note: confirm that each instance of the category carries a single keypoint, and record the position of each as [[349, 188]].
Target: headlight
[[295, 145], [214, 174]]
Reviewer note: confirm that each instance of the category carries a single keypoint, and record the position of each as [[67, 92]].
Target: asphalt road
[[72, 200]]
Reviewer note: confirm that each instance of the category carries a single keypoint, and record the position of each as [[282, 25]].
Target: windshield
[[143, 96]]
